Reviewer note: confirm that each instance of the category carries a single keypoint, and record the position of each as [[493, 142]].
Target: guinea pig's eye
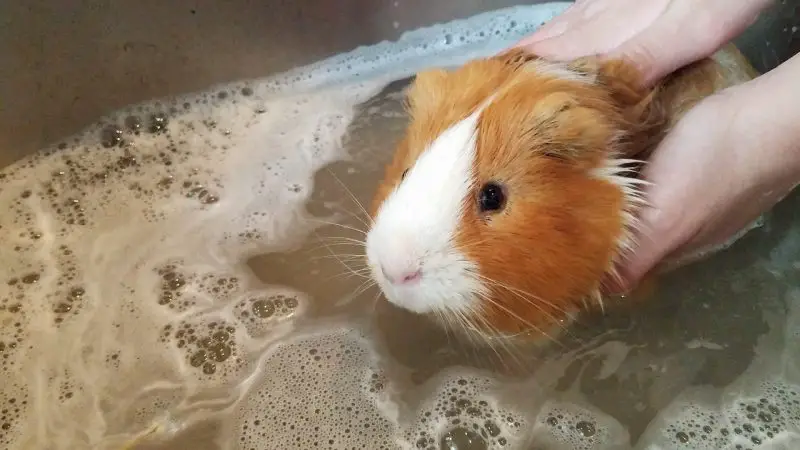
[[403, 176], [491, 198]]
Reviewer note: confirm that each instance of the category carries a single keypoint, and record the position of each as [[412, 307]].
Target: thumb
[[556, 45], [540, 40], [698, 34], [647, 58], [653, 244]]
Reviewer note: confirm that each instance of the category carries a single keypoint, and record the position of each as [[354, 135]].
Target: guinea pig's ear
[[643, 114]]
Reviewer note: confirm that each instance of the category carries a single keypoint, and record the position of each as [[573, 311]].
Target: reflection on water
[[189, 273]]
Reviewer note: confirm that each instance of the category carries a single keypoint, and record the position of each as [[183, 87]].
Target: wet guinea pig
[[513, 193]]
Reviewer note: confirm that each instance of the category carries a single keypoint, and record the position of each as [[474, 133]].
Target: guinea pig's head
[[506, 203]]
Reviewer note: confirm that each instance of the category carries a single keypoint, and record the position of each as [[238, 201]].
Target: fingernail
[[528, 43], [543, 34], [553, 30]]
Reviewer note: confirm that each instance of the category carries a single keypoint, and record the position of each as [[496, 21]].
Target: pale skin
[[729, 159]]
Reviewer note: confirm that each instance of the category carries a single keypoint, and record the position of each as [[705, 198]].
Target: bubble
[[158, 123], [30, 278], [263, 308], [133, 124], [111, 136], [462, 439], [586, 428], [327, 368], [492, 428]]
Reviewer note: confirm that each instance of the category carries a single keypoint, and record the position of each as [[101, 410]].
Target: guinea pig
[[513, 193]]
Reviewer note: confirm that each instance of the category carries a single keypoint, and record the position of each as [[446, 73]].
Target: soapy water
[[180, 275]]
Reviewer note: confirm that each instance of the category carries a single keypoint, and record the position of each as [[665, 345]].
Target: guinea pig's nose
[[401, 276]]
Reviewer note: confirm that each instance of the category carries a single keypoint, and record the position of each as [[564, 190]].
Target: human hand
[[658, 36], [728, 160]]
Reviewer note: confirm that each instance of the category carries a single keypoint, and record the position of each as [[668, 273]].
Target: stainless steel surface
[[65, 63]]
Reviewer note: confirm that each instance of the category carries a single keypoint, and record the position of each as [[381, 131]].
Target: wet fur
[[558, 138]]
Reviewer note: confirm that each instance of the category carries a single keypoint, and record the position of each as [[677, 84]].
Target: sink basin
[[68, 63], [204, 318]]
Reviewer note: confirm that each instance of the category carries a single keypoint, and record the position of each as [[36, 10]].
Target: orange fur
[[540, 138]]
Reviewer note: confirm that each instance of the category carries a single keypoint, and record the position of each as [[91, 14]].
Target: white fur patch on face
[[414, 229]]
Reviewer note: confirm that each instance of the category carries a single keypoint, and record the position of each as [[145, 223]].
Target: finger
[[649, 250], [566, 42], [651, 50], [653, 59], [552, 28], [555, 27], [654, 242], [661, 224], [592, 28]]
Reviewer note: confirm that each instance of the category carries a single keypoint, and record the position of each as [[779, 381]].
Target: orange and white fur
[[513, 193]]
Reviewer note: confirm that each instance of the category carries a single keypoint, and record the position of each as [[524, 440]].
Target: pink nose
[[405, 277]]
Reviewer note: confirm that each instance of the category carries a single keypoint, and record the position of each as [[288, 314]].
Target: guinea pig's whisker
[[447, 328], [458, 321], [343, 256], [347, 214], [358, 216], [529, 298], [532, 301], [355, 246], [327, 245], [350, 193], [494, 338], [346, 275], [342, 240], [340, 225], [470, 243], [355, 255], [339, 259], [498, 305], [469, 331], [445, 317], [339, 240], [375, 301], [508, 353], [456, 329], [442, 317], [363, 270], [364, 287]]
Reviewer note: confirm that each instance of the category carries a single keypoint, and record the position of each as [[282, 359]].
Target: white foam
[[760, 410], [460, 405], [568, 425], [315, 391]]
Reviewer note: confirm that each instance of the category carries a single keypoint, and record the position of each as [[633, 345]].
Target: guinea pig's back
[[686, 87]]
